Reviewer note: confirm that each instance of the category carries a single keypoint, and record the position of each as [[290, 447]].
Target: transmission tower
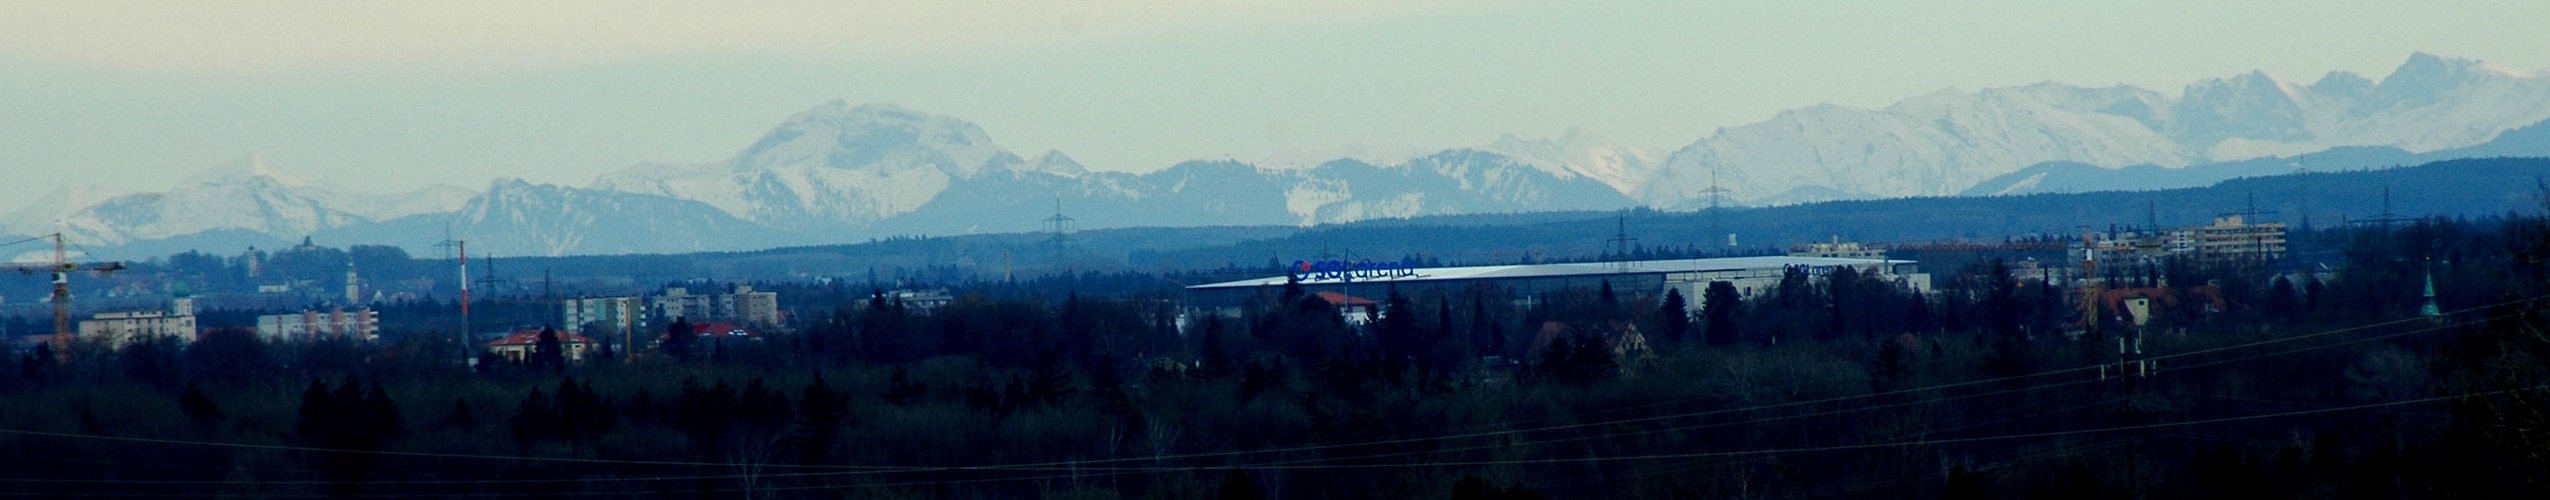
[[1620, 242], [1060, 227], [489, 282], [2386, 218], [1717, 216]]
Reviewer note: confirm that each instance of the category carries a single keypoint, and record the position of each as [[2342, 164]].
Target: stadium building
[[1355, 284]]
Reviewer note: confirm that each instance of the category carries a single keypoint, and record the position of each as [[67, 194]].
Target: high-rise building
[[2230, 238], [613, 316], [740, 304]]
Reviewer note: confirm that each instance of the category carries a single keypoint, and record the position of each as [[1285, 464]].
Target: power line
[[421, 454], [1086, 465]]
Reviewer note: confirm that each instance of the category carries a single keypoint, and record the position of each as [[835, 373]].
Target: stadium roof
[[1433, 274]]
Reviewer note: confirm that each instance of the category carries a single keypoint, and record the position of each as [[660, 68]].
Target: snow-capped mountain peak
[[2425, 76], [838, 165], [1576, 153], [1943, 142], [1057, 163], [244, 168], [874, 137]]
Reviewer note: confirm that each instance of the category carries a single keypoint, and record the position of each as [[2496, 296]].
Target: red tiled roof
[[532, 337], [1342, 300]]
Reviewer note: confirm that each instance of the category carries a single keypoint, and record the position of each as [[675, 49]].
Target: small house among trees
[[527, 346]]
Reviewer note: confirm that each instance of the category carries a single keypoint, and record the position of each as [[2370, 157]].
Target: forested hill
[[2455, 188]]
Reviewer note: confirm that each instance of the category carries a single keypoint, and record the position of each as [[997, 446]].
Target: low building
[[720, 330], [1356, 310], [518, 346], [121, 327], [1838, 249], [923, 301], [310, 325]]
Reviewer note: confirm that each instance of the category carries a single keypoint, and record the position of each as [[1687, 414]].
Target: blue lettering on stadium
[[1346, 270]]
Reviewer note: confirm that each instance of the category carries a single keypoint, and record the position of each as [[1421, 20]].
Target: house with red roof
[[719, 331], [1356, 310], [517, 346]]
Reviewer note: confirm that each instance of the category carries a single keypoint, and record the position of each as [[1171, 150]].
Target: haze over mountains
[[842, 172]]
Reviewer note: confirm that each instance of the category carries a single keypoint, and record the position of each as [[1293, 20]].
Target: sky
[[386, 97]]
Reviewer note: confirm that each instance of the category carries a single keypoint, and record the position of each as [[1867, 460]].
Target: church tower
[[353, 288]]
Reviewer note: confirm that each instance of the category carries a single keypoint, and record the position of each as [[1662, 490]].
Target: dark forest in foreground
[[1847, 387]]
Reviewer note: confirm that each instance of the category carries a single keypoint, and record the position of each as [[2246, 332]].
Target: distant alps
[[841, 172]]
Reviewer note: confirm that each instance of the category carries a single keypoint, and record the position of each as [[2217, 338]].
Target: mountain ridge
[[843, 172]]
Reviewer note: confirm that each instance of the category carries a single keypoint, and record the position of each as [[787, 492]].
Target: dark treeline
[[2250, 380]]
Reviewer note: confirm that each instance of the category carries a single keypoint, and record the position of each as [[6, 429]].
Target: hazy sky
[[389, 96]]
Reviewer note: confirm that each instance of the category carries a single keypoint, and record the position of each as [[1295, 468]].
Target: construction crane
[[61, 267]]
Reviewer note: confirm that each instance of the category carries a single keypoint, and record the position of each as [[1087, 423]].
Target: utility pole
[[459, 249]]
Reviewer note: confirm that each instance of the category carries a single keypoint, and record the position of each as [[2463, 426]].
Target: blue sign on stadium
[[1345, 270]]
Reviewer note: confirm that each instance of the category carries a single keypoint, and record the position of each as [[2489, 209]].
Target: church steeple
[[2429, 309]]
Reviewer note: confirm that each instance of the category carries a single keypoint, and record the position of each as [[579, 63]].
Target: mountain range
[[841, 172]]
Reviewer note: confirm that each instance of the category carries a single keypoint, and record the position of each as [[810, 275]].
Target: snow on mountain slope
[[1934, 144], [1946, 142], [1578, 154], [40, 216], [1450, 182], [260, 204], [244, 194], [836, 166], [438, 198], [514, 217]]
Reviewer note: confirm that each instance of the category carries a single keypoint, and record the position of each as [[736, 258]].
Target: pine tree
[[2281, 303], [318, 411], [1892, 365], [380, 414], [548, 353], [2003, 309], [1558, 359], [1673, 317], [2311, 291], [460, 417], [197, 407], [1493, 343], [821, 411], [1215, 359], [1845, 306], [1718, 307], [678, 339], [1238, 487], [536, 418], [1398, 331], [1593, 359]]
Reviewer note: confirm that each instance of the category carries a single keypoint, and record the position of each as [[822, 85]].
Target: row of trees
[[1843, 385]]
